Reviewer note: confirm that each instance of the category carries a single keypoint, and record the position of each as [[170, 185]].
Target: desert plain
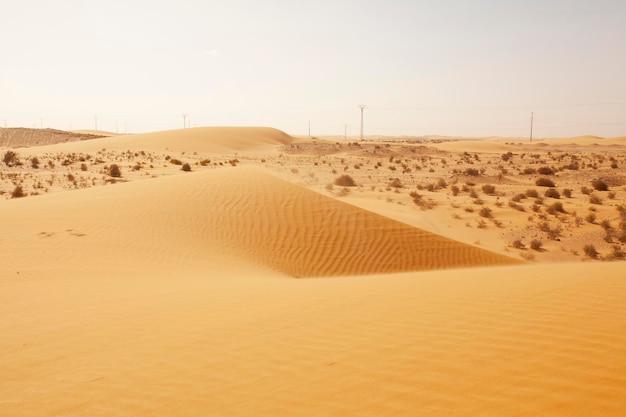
[[237, 271]]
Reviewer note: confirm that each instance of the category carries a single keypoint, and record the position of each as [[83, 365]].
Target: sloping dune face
[[243, 212]]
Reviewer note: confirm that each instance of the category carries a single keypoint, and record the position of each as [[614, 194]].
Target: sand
[[251, 288]]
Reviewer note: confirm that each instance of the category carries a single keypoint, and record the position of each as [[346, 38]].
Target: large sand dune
[[242, 211]]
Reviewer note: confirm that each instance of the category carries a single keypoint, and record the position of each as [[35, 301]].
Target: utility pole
[[184, 120], [532, 114], [345, 132], [362, 107]]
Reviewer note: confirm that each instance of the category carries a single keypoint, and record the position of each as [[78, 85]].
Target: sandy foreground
[[249, 286]]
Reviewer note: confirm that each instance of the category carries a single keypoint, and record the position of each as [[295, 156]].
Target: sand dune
[[200, 139], [505, 341], [243, 211]]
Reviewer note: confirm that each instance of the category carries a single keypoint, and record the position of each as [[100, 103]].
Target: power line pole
[[362, 107], [184, 120], [532, 114], [345, 132]]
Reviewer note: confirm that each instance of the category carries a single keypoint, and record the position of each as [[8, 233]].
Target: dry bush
[[552, 193], [567, 193], [556, 207], [421, 202], [591, 218], [545, 171], [455, 190], [531, 193], [536, 244], [517, 244], [18, 192], [472, 172], [485, 212], [584, 190], [590, 251], [345, 181], [114, 171], [186, 167], [489, 189], [516, 206], [599, 185], [529, 171], [11, 158], [544, 182], [594, 199], [395, 183]]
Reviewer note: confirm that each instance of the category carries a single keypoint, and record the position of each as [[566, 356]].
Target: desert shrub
[[611, 195], [536, 244], [606, 224], [517, 244], [345, 181], [532, 193], [599, 185], [584, 190], [519, 197], [83, 167], [206, 162], [18, 192], [529, 170], [485, 212], [506, 156], [175, 161], [395, 183], [544, 182], [567, 193], [186, 167], [556, 207], [455, 190], [552, 193], [114, 171], [545, 171], [516, 206], [34, 162], [489, 189], [421, 202], [594, 199], [11, 158], [590, 251], [472, 172], [590, 218]]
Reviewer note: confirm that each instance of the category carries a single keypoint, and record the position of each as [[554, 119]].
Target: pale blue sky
[[451, 67]]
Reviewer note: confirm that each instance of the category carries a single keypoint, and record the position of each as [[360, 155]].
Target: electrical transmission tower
[[362, 107], [532, 116]]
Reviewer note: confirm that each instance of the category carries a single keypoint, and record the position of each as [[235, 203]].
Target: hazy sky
[[446, 67]]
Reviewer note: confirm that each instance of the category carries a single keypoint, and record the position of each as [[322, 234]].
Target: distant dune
[[23, 137], [199, 139]]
